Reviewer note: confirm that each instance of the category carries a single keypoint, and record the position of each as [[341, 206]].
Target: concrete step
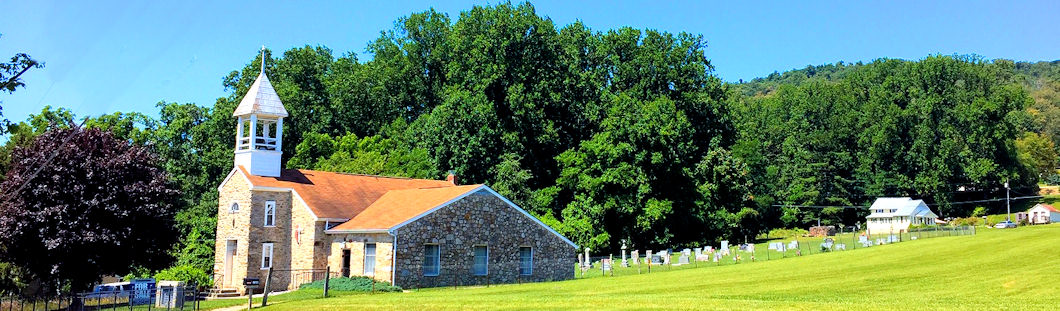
[[218, 293]]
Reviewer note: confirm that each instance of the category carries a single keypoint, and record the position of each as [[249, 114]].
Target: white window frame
[[270, 214], [437, 260], [375, 249], [233, 208], [531, 267], [267, 248], [474, 259]]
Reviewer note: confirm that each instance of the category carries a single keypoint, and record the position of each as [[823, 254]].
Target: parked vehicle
[[1005, 224], [110, 289]]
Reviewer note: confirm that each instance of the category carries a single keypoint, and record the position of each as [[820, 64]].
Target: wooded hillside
[[618, 134]]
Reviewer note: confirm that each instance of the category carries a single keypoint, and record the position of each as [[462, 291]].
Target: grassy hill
[[1011, 269]]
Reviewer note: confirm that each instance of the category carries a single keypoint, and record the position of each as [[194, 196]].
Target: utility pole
[[1008, 202]]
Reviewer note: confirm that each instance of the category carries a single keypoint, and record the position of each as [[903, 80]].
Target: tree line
[[622, 135]]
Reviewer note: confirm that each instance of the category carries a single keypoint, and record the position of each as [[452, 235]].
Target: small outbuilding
[[1043, 214]]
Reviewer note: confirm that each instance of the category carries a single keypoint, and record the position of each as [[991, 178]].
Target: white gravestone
[[624, 262], [841, 246], [635, 256]]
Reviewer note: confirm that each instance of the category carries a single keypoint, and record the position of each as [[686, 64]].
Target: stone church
[[410, 232]]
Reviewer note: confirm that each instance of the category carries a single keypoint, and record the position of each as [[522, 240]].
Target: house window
[[369, 259], [266, 255], [233, 208], [431, 258], [270, 213], [481, 264], [526, 261]]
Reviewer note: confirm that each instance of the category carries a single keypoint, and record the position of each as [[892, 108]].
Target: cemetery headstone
[[625, 263], [841, 246], [683, 260], [635, 255]]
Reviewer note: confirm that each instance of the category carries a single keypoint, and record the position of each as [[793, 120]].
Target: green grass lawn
[[994, 269]]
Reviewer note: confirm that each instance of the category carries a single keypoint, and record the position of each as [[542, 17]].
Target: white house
[[891, 215], [1043, 214]]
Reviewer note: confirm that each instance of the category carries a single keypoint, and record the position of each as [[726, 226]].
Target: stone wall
[[232, 227], [354, 242], [480, 219], [297, 238]]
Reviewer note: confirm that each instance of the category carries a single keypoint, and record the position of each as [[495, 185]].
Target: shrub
[[353, 284], [967, 221], [781, 233], [1053, 180], [185, 273], [979, 211]]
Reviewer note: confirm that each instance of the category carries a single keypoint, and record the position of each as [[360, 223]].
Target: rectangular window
[[270, 213], [526, 261], [431, 258], [369, 259], [266, 255], [481, 264]]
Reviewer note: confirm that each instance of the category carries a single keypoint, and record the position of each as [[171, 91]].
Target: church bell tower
[[259, 130]]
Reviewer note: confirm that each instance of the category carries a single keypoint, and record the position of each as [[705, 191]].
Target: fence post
[[265, 293], [327, 279]]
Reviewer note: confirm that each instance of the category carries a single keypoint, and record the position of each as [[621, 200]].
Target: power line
[[47, 161], [932, 204]]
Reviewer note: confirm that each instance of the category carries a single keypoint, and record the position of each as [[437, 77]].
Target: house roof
[[400, 206], [338, 195], [261, 98], [1047, 207], [903, 206]]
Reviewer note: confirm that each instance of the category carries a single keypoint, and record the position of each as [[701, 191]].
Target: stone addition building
[[409, 232]]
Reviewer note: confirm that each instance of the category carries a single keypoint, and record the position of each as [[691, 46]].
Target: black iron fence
[[152, 298]]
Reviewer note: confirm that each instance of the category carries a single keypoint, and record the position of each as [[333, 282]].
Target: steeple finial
[[262, 59]]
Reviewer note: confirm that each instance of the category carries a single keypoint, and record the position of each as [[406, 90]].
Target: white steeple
[[259, 133]]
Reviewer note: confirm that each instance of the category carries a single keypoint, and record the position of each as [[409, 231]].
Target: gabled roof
[[1047, 207], [337, 195], [261, 99], [903, 206], [399, 206]]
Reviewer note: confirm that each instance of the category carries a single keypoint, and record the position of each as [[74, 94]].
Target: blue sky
[[107, 56]]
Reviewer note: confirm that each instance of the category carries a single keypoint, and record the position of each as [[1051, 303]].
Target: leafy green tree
[[10, 79], [1038, 153]]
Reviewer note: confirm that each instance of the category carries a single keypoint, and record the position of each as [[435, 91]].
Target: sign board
[[142, 289]]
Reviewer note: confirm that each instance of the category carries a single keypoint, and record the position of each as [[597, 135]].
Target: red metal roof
[[339, 195]]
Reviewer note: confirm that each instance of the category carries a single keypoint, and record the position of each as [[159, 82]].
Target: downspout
[[393, 258]]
